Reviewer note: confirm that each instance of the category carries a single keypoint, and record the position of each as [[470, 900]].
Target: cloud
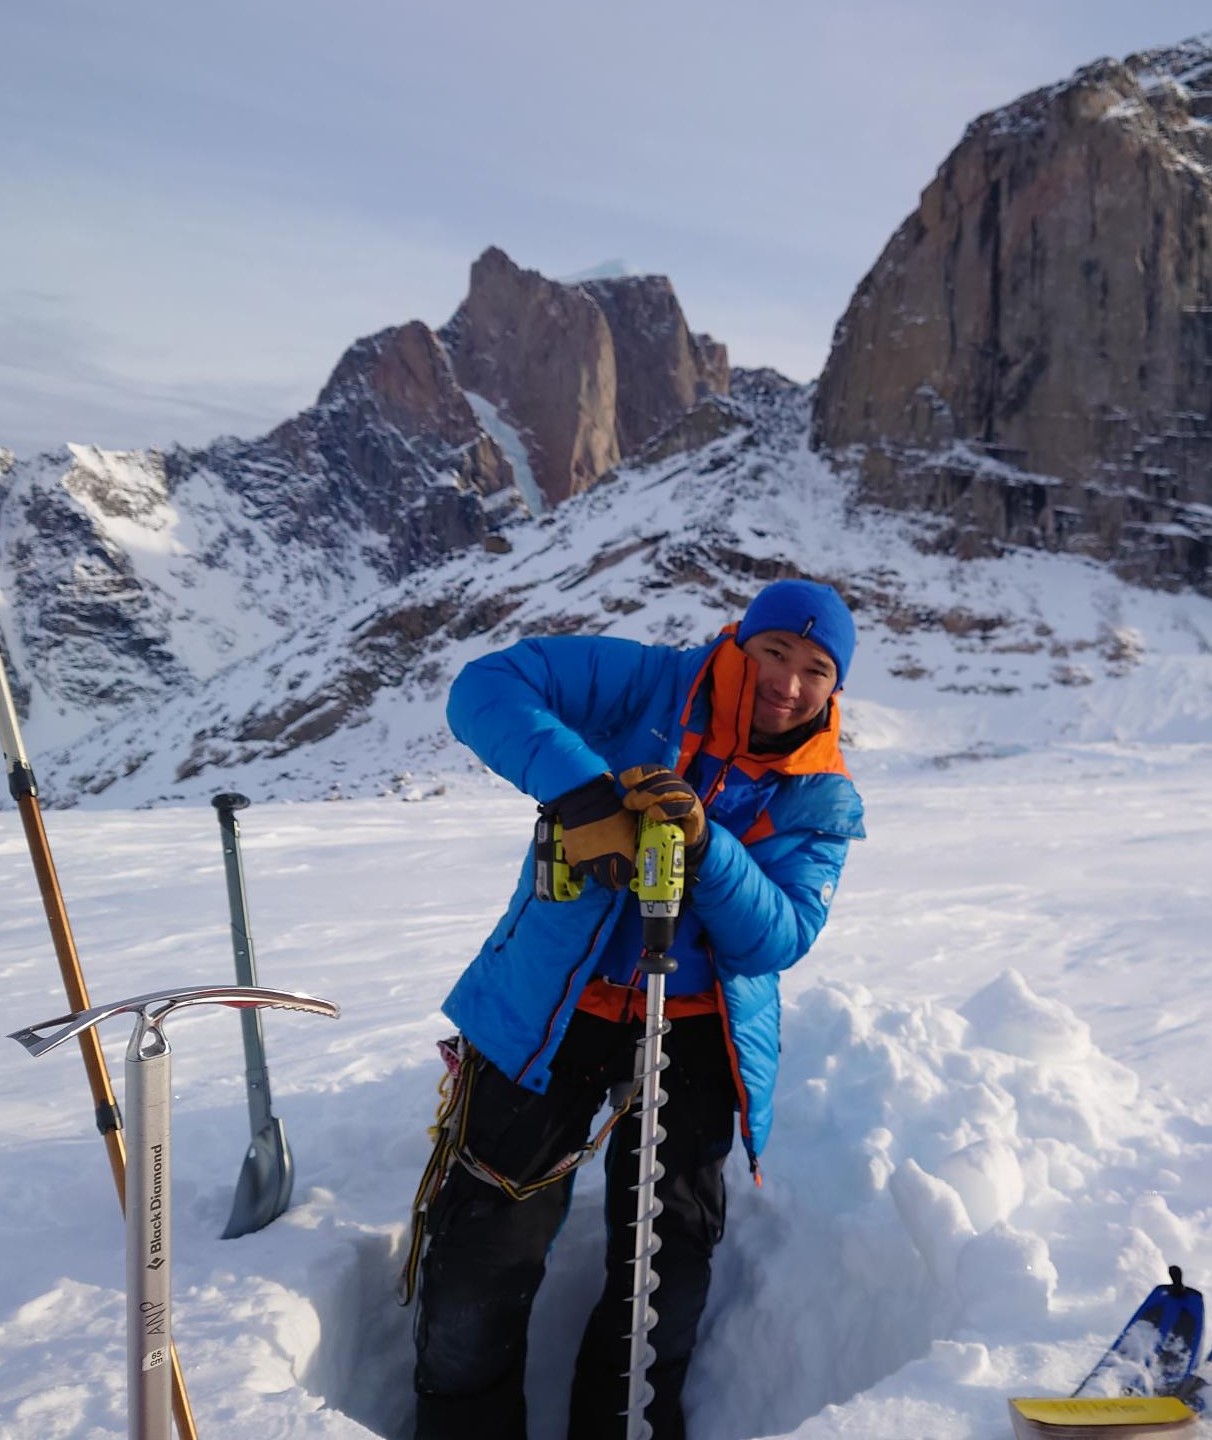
[[183, 324]]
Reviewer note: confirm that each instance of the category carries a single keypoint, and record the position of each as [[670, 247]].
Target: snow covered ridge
[[124, 586], [954, 658], [254, 660], [992, 1129]]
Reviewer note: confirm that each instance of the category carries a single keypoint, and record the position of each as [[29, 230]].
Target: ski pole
[[24, 789], [660, 873], [149, 1176]]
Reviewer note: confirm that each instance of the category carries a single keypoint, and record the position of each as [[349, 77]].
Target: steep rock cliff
[[663, 370], [1031, 356], [589, 373], [542, 353]]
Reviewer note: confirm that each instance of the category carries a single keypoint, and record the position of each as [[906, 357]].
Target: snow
[[209, 616], [991, 1134], [512, 447], [992, 1131]]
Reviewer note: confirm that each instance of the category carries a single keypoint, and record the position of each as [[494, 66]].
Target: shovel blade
[[264, 1186]]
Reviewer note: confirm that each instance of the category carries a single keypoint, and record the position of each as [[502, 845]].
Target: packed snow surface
[[992, 1130]]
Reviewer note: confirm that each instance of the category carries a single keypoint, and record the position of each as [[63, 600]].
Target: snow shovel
[[268, 1173]]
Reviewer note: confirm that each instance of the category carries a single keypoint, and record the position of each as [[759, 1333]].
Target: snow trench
[[921, 1155], [362, 1365]]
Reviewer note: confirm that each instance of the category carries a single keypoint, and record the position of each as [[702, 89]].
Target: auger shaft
[[645, 1279]]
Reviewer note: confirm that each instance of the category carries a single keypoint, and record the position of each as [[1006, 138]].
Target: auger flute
[[660, 875]]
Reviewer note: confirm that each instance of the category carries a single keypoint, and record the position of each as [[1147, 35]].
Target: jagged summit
[[589, 372], [1189, 64]]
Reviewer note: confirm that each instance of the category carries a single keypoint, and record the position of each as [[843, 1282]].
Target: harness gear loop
[[450, 1120]]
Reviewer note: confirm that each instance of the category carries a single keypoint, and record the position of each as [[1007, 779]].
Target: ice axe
[[149, 1174], [268, 1173]]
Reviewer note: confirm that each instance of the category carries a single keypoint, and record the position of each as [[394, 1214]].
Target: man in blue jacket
[[738, 742]]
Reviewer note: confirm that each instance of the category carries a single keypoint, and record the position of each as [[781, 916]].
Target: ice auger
[[659, 883]]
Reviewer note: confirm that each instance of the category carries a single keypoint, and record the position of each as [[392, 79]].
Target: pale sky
[[203, 205]]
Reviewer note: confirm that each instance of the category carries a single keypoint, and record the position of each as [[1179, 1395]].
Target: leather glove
[[659, 793], [599, 835]]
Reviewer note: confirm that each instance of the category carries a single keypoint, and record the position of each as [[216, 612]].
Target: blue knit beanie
[[813, 612]]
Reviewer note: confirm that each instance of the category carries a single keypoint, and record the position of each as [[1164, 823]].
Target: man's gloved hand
[[599, 835], [655, 791]]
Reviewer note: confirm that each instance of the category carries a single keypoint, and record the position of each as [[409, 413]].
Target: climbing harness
[[449, 1133]]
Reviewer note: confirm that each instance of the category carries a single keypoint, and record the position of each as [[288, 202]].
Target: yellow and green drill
[[659, 883]]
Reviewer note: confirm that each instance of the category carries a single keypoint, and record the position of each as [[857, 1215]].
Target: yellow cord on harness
[[449, 1136]]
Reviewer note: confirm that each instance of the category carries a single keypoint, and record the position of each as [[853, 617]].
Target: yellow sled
[[1114, 1418]]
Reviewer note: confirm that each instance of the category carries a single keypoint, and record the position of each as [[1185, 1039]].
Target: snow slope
[[987, 653], [992, 1128]]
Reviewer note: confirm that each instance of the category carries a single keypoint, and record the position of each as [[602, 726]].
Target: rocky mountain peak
[[129, 576], [405, 374], [1031, 356], [588, 372], [541, 352]]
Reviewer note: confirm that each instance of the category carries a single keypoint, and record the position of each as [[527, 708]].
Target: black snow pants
[[487, 1253]]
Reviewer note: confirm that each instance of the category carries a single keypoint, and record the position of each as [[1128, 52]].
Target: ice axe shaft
[[149, 1177], [24, 789], [266, 1178]]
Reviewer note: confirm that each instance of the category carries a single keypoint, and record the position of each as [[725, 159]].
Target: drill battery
[[553, 878]]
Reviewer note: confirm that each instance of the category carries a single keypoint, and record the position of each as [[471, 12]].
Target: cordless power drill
[[660, 876]]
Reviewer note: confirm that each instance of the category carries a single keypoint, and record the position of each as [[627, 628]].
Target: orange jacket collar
[[732, 678]]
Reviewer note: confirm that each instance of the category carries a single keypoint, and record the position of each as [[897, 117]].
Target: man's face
[[795, 679]]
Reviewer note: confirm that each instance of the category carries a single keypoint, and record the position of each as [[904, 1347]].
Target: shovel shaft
[[255, 1067], [266, 1178]]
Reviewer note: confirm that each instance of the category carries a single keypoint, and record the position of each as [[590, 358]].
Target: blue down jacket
[[551, 714]]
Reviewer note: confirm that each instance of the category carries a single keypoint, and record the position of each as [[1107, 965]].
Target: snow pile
[[927, 1163]]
